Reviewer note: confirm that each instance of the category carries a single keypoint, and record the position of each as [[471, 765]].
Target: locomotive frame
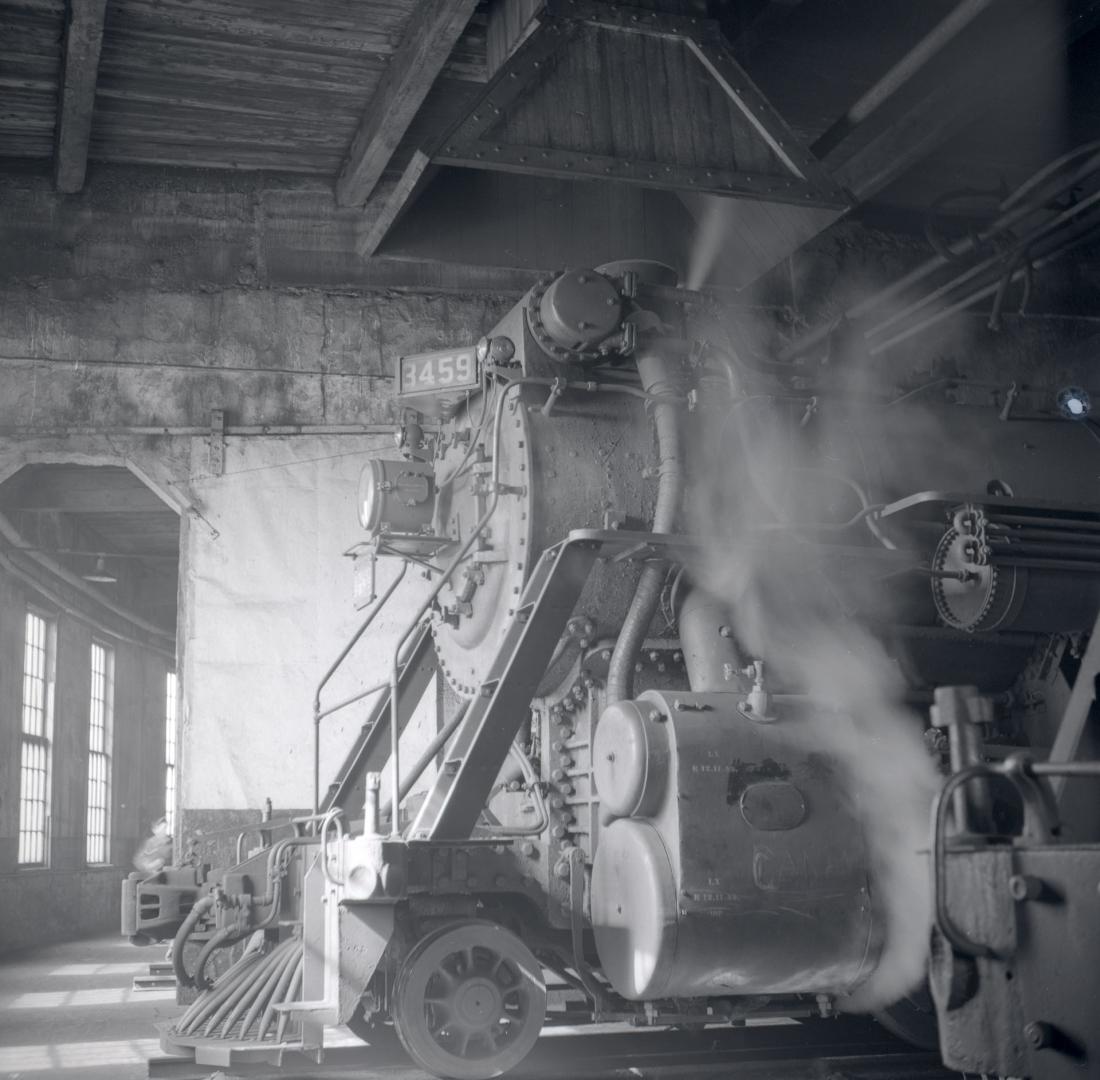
[[445, 919]]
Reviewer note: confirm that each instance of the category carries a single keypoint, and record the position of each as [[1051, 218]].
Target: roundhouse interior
[[703, 396]]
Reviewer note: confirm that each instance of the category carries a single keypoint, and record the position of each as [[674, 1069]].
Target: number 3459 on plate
[[447, 369]]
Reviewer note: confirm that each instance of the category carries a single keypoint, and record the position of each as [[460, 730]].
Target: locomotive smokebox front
[[735, 863]]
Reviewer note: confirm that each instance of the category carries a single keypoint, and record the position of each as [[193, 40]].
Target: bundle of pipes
[[1054, 211], [247, 996]]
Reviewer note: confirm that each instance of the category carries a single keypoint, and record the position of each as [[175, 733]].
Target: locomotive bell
[[580, 309], [396, 497]]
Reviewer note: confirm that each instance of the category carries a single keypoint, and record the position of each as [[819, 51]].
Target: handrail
[[1024, 774], [556, 386], [475, 533], [332, 817], [318, 714]]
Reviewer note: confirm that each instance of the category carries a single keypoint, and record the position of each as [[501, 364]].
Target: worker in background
[[156, 852]]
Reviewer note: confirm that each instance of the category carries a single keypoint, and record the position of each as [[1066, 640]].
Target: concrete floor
[[70, 1011]]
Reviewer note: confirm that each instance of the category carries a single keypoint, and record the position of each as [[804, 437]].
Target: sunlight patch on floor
[[43, 999], [38, 1058]]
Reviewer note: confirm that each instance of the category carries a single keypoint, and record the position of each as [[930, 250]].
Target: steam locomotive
[[690, 618]]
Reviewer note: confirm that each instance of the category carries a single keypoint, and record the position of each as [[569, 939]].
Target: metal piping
[[941, 35], [1023, 243], [187, 927], [706, 639], [1013, 212], [654, 371], [1084, 235]]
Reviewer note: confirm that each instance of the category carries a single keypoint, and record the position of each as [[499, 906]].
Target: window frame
[[35, 824], [171, 739], [101, 730]]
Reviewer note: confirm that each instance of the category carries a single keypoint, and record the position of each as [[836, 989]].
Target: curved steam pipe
[[186, 929], [653, 367]]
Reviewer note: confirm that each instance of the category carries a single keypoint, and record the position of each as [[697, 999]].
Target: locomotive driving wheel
[[469, 1001]]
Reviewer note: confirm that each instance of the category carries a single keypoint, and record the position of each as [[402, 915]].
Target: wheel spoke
[[450, 978], [464, 996]]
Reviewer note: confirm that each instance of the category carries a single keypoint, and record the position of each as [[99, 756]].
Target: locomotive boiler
[[690, 619]]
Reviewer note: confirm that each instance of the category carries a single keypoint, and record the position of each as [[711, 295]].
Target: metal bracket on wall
[[216, 443]]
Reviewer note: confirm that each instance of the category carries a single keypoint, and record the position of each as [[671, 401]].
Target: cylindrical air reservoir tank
[[735, 863]]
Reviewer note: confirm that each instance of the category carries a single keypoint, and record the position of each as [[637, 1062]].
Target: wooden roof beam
[[76, 98], [389, 201], [435, 28]]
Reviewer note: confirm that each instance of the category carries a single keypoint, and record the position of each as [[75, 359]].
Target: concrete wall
[[152, 299], [68, 898]]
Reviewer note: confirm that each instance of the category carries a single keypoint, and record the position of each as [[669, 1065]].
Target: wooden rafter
[[389, 202], [76, 100], [436, 27]]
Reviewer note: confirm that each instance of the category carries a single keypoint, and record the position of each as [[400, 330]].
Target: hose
[[654, 372], [242, 1004], [187, 928], [221, 940]]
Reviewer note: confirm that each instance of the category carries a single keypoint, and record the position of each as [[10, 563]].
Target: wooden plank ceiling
[[226, 84], [383, 99]]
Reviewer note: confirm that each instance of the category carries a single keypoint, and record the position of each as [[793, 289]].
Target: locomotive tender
[[690, 620]]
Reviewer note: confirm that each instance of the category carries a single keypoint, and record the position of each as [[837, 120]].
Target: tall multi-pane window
[[100, 724], [37, 730], [170, 688]]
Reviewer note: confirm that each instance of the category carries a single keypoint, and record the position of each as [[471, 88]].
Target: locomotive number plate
[[447, 369]]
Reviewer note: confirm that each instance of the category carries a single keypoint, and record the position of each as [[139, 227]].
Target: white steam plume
[[786, 610]]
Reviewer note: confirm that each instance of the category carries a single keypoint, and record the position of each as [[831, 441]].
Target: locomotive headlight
[[369, 498], [396, 497], [1073, 402], [482, 350]]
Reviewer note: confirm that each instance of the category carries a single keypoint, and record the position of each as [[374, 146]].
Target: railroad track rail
[[845, 1049]]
